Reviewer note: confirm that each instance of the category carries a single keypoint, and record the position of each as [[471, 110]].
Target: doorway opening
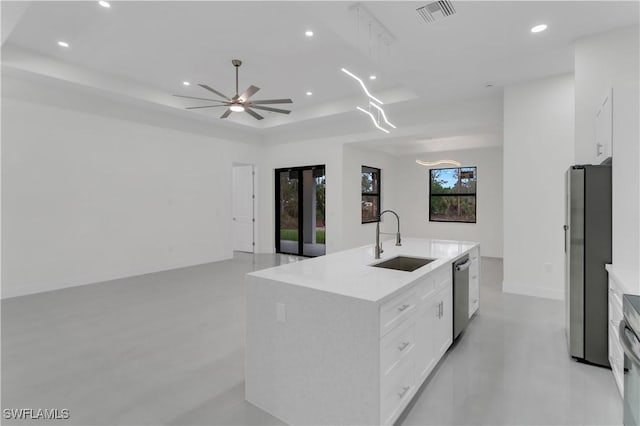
[[300, 211], [243, 207]]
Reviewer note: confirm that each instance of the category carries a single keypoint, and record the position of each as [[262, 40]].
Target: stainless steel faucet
[[378, 249]]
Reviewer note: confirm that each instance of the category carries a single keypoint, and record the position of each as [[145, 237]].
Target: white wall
[[296, 155], [413, 198], [601, 62], [604, 61], [538, 149], [626, 184], [355, 233], [87, 197]]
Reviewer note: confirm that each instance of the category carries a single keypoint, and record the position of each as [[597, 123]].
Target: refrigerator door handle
[[566, 228]]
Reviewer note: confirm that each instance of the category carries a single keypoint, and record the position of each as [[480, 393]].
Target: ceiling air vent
[[436, 11]]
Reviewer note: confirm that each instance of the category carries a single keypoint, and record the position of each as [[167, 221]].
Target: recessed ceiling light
[[63, 44], [309, 93], [186, 83], [372, 77], [104, 3], [308, 33], [539, 28]]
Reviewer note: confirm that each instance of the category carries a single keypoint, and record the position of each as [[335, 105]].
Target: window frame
[[376, 195], [466, 194]]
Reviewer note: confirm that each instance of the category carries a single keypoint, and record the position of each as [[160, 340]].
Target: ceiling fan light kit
[[240, 102]]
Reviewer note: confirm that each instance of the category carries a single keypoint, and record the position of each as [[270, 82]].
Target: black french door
[[300, 208]]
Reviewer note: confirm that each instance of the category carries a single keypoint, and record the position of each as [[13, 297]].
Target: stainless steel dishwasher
[[460, 295]]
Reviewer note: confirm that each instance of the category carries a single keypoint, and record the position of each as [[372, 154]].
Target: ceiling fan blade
[[253, 114], [226, 113], [272, 101], [281, 111], [248, 93], [204, 86], [206, 106], [201, 99]]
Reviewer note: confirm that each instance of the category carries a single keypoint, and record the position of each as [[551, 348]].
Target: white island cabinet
[[333, 340]]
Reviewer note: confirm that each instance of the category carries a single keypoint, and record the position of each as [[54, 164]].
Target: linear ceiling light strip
[[363, 86], [439, 162], [384, 116], [375, 123]]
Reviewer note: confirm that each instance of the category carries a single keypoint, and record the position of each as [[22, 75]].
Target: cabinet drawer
[[396, 346], [442, 276], [616, 357], [474, 285], [615, 312], [474, 254], [474, 304], [615, 347], [426, 288], [397, 310], [474, 270], [615, 293], [615, 303], [397, 391], [474, 290], [617, 370]]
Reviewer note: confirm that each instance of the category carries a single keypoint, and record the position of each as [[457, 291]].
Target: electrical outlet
[[281, 312], [548, 267]]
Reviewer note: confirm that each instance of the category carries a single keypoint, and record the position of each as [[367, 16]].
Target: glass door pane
[[313, 190], [288, 192]]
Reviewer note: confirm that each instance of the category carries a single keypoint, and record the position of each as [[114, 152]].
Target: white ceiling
[[432, 78]]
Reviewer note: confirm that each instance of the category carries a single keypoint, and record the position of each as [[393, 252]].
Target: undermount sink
[[404, 263]]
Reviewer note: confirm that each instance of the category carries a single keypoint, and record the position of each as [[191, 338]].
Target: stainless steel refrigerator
[[587, 250]]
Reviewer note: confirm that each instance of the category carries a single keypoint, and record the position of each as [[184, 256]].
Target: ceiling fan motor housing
[[240, 102]]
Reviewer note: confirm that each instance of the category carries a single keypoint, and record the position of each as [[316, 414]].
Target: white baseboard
[[529, 290], [8, 292]]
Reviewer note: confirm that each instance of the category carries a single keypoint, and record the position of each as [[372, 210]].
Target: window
[[452, 195], [370, 194]]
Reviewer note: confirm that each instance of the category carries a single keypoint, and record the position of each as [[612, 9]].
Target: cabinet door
[[444, 327], [425, 337], [474, 286], [604, 128], [616, 357]]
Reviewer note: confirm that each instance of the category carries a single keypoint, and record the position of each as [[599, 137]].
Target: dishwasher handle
[[463, 266]]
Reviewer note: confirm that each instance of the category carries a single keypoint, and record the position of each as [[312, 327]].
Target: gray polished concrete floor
[[168, 348], [511, 367]]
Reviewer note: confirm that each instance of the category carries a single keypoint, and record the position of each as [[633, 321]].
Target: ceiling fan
[[240, 102]]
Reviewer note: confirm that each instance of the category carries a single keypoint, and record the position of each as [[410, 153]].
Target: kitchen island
[[334, 340]]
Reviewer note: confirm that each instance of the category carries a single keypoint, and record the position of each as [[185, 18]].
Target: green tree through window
[[370, 182], [452, 195]]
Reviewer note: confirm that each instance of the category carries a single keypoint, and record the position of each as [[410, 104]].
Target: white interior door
[[242, 210]]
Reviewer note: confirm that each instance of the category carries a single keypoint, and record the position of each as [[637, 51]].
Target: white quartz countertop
[[348, 272]]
